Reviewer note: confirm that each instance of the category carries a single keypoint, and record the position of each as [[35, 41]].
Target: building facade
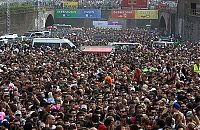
[[189, 19]]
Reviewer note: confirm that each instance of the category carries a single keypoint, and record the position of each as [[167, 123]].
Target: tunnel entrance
[[49, 21], [162, 25]]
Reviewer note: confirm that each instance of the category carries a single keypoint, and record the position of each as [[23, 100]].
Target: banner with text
[[89, 13], [123, 14], [66, 13], [116, 22], [74, 13], [107, 24], [146, 14], [100, 23], [70, 4]]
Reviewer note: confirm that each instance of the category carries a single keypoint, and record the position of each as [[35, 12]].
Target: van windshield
[[65, 45], [27, 34], [38, 34], [46, 33]]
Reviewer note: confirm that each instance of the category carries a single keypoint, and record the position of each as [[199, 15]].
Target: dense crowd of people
[[90, 4], [47, 88], [100, 4]]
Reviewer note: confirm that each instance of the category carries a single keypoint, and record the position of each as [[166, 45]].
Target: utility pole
[[8, 15]]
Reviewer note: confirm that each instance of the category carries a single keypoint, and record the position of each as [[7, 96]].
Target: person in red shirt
[[137, 75]]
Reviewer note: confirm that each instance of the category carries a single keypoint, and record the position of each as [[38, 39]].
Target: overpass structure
[[38, 20], [183, 20]]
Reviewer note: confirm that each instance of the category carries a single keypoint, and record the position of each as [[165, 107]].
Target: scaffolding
[[38, 15], [8, 15], [37, 5]]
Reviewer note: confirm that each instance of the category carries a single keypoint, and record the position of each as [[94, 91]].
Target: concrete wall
[[189, 27], [20, 23]]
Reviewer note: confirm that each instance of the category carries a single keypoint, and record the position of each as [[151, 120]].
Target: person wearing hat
[[108, 79], [191, 117], [180, 118]]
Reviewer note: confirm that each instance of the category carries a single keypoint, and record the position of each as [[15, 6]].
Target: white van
[[10, 37], [39, 34], [20, 39], [30, 35], [53, 42]]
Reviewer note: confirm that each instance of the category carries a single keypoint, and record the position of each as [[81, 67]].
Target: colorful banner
[[70, 4], [74, 13], [116, 22], [90, 13], [139, 4], [123, 14], [107, 24], [115, 26], [100, 23], [65, 13], [146, 14]]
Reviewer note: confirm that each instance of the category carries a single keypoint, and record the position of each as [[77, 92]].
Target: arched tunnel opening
[[162, 25], [49, 21]]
